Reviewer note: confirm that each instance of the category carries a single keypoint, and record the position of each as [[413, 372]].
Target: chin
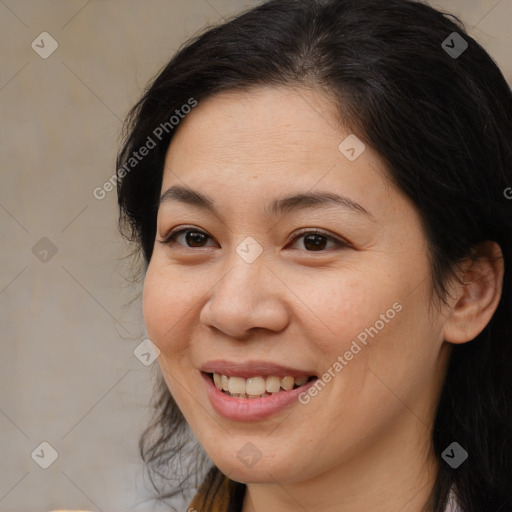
[[260, 472]]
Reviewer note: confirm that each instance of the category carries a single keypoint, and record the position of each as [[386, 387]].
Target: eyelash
[[170, 239]]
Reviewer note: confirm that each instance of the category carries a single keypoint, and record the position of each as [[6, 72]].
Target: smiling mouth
[[258, 386]]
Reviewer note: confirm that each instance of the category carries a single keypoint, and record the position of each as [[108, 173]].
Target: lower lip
[[251, 409]]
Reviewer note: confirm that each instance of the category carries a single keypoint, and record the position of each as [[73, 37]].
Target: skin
[[364, 442]]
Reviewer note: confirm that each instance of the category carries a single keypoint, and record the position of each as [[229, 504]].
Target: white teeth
[[255, 387], [287, 383], [236, 385], [272, 384]]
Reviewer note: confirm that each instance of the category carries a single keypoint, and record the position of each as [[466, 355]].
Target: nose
[[247, 297]]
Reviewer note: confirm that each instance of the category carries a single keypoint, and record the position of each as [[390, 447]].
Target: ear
[[476, 295]]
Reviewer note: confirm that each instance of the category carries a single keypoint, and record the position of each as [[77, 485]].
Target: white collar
[[451, 503]]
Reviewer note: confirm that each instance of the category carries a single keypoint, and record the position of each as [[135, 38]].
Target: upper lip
[[248, 369]]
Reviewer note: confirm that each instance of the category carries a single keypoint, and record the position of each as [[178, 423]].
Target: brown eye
[[193, 238], [317, 241]]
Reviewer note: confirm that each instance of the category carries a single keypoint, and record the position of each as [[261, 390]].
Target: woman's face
[[249, 291]]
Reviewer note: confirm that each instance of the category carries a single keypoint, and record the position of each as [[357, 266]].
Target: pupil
[[194, 238], [316, 242]]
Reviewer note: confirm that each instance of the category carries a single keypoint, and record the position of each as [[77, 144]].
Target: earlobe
[[477, 295]]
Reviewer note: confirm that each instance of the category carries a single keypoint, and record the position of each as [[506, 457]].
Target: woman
[[318, 190]]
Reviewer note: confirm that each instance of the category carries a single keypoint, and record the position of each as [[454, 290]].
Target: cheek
[[341, 310], [371, 326], [165, 305], [388, 353], [166, 318]]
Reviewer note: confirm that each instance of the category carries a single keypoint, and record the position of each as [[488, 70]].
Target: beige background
[[68, 373]]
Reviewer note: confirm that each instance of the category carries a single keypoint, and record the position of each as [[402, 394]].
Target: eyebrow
[[286, 204]]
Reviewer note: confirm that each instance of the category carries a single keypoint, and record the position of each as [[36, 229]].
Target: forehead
[[272, 117], [282, 136]]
